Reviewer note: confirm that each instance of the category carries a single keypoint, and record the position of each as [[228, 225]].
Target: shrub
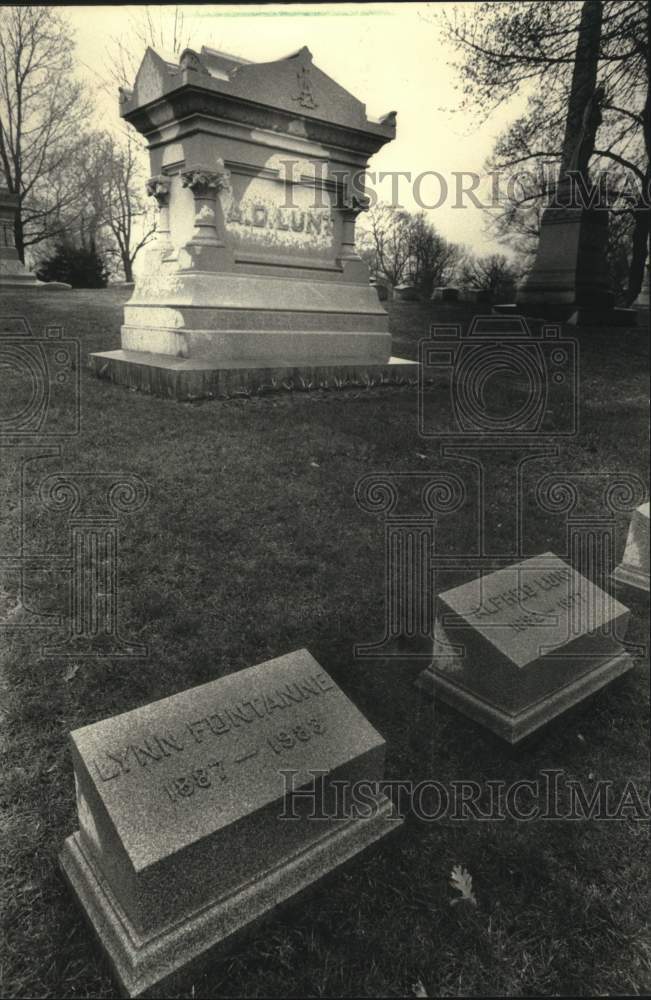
[[79, 266]]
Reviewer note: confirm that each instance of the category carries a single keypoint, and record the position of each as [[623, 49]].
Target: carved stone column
[[354, 267], [206, 250], [158, 187]]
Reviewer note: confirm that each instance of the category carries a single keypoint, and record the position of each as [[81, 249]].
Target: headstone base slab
[[192, 378], [140, 963], [515, 727], [631, 576]]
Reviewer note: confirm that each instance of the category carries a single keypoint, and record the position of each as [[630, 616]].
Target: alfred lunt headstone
[[182, 841], [517, 647], [634, 567], [257, 169]]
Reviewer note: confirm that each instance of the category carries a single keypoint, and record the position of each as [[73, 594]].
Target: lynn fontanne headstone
[[517, 647], [634, 567], [182, 842], [13, 273], [257, 169]]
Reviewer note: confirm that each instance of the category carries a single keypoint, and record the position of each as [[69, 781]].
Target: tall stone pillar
[[158, 187]]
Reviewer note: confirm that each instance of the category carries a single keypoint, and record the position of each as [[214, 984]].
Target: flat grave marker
[[181, 841], [517, 647]]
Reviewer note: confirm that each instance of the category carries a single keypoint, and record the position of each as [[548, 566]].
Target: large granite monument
[[201, 813], [516, 648], [256, 170]]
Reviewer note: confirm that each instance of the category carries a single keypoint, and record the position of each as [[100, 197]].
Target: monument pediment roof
[[292, 84]]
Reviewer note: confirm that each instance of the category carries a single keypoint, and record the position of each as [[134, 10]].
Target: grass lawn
[[252, 545]]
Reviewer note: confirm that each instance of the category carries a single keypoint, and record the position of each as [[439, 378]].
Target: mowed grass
[[251, 545]]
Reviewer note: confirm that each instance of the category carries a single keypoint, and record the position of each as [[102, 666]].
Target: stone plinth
[[445, 294], [13, 273], [256, 170], [642, 301], [518, 647], [187, 379], [634, 567], [182, 842], [569, 280]]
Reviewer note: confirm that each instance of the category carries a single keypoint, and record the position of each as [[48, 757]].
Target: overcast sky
[[392, 56]]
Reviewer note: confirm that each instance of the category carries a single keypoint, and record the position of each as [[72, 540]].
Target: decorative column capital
[[353, 205], [158, 187], [205, 181], [359, 204]]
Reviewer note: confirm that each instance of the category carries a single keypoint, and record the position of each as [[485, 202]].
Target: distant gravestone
[[634, 567], [445, 294], [181, 841], [519, 646], [383, 287], [13, 273], [642, 301], [477, 295], [407, 292]]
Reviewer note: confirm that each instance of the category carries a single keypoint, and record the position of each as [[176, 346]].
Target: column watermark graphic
[[45, 413], [500, 403]]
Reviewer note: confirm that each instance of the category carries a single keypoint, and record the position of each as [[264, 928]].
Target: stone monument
[[642, 301], [519, 646], [569, 280], [257, 172], [203, 812], [13, 273], [445, 293], [634, 567]]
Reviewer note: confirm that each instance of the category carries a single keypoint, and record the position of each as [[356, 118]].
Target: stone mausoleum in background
[[254, 275]]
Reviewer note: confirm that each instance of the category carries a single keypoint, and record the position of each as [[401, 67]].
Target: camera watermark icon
[[499, 380], [40, 375], [508, 397]]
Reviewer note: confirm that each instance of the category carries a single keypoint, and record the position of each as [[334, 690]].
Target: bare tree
[[384, 241], [126, 215], [492, 273], [432, 259], [42, 110], [163, 30], [404, 247], [517, 47]]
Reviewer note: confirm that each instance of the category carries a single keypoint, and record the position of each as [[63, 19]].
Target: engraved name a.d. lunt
[[260, 214]]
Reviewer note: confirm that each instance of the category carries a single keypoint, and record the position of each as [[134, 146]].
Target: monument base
[[514, 727], [195, 378], [631, 576], [141, 962], [633, 570]]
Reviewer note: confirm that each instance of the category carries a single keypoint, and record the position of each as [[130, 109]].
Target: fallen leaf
[[461, 880], [71, 671]]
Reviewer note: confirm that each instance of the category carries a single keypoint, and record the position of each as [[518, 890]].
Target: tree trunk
[[19, 234], [127, 267], [584, 76]]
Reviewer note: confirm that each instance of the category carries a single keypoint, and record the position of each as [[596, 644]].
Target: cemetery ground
[[251, 545]]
